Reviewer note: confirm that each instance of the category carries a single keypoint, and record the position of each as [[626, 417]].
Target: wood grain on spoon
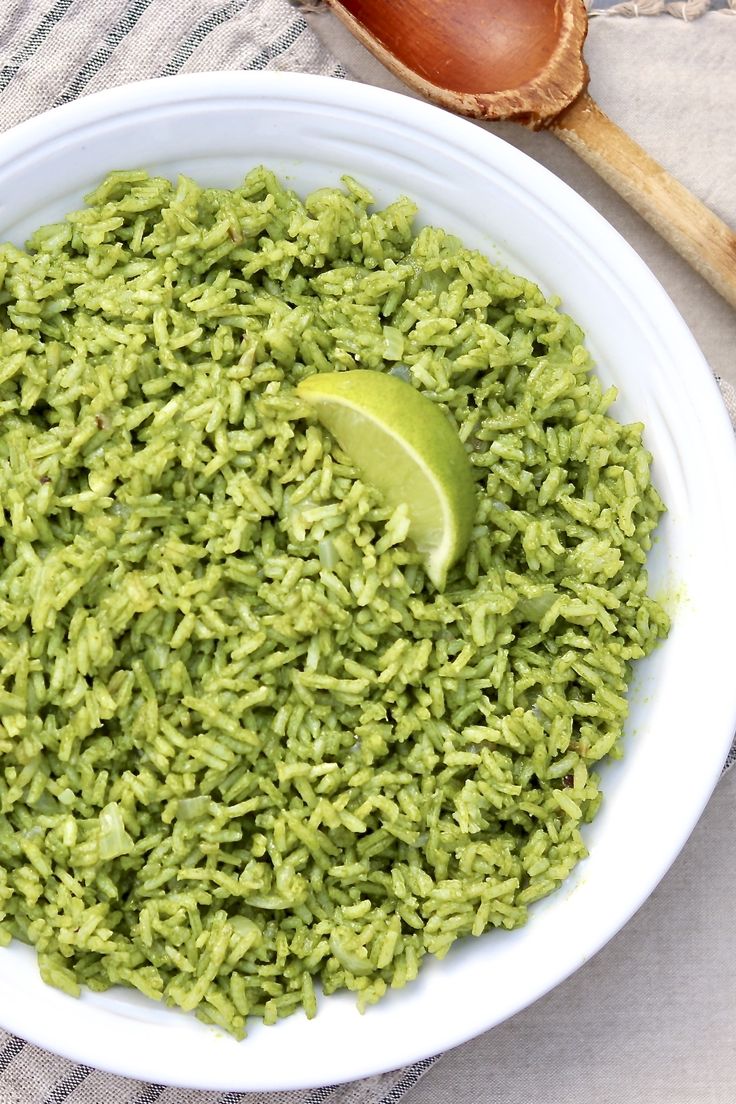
[[521, 60]]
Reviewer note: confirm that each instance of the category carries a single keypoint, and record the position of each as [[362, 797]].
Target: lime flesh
[[404, 445]]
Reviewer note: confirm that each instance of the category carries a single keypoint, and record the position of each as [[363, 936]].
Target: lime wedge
[[405, 446]]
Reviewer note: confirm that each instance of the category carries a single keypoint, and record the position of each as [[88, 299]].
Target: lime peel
[[405, 446]]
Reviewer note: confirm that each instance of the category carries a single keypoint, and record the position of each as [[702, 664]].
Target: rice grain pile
[[245, 746]]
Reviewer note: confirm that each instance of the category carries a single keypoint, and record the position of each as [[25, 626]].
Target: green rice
[[246, 748]]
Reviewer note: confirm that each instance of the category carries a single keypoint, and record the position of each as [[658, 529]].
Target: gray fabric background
[[653, 1016]]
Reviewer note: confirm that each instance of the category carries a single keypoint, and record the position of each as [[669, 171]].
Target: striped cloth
[[51, 53], [29, 1075]]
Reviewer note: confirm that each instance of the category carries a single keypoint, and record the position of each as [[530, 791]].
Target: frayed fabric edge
[[687, 10]]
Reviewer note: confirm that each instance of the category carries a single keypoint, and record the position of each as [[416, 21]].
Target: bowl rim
[[582, 221]]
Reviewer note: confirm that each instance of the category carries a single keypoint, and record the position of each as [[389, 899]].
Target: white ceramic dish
[[309, 129]]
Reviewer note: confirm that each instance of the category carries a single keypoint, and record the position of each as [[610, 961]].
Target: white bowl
[[311, 130]]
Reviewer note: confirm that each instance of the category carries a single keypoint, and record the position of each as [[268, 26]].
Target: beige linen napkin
[[52, 51]]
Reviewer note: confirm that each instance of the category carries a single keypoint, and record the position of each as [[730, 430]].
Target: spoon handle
[[704, 240]]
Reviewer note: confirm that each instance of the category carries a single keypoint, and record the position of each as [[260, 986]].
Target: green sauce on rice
[[245, 746]]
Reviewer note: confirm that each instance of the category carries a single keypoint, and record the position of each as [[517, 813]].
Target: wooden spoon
[[522, 60]]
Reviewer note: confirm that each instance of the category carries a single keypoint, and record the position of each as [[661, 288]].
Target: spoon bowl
[[514, 59], [488, 49]]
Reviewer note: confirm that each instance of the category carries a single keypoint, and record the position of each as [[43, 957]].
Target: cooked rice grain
[[245, 745]]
